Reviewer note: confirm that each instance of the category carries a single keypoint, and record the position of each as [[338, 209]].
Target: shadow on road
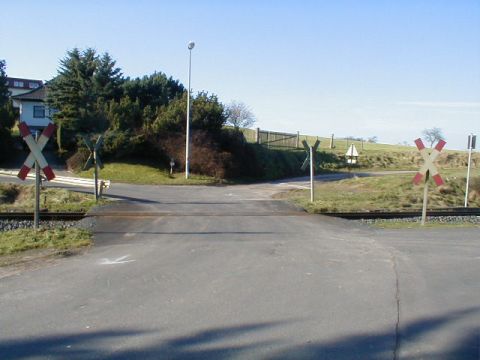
[[211, 344]]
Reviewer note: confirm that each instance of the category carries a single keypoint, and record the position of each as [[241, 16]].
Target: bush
[[8, 193], [205, 156], [77, 161], [122, 144]]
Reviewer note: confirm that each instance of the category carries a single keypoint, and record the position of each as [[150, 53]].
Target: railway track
[[55, 216], [405, 214], [63, 216]]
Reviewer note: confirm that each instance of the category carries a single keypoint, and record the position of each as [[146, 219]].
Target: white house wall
[[26, 114]]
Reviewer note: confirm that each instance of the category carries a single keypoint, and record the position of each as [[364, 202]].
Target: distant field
[[375, 156]]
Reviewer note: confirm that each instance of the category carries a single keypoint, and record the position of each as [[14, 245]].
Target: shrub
[[8, 193], [122, 144], [206, 157], [78, 159]]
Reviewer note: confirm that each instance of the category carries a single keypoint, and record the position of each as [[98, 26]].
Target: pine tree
[[7, 113], [84, 82]]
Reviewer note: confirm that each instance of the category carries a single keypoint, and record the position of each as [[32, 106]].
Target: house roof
[[38, 94], [26, 83]]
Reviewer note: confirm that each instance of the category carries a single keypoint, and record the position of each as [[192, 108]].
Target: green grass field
[[389, 193], [21, 198], [376, 156], [146, 174], [16, 241]]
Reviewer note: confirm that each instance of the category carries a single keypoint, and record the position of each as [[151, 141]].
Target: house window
[[39, 111], [18, 83], [32, 85]]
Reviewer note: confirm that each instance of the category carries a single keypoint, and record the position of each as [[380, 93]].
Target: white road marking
[[120, 260]]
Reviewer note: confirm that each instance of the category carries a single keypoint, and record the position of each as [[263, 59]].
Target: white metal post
[[191, 44], [312, 190], [470, 141]]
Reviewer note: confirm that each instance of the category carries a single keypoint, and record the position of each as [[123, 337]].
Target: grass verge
[[15, 197], [15, 241], [387, 193], [146, 175]]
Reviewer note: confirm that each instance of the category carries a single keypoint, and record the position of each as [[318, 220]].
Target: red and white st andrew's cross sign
[[429, 158], [36, 151]]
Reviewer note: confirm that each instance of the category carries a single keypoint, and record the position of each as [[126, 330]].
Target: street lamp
[[191, 45]]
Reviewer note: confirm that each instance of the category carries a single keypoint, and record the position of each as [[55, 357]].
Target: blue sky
[[361, 68]]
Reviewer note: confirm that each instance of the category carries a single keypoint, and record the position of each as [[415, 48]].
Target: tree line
[[143, 116], [8, 114]]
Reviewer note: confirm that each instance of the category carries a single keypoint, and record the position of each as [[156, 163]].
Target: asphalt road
[[227, 273]]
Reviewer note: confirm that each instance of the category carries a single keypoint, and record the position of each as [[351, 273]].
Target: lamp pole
[[191, 45]]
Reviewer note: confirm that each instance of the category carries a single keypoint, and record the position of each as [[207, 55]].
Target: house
[[17, 86], [33, 110]]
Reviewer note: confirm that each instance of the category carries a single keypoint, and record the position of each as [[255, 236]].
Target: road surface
[[228, 273]]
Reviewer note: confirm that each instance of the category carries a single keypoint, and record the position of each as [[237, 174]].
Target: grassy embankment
[[389, 193], [146, 174], [21, 198], [377, 157]]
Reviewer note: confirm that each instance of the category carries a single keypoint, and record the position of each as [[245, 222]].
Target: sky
[[366, 68]]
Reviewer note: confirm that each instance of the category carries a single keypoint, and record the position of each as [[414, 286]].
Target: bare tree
[[240, 115], [433, 135]]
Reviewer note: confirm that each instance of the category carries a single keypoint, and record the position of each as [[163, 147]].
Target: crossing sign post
[[94, 159], [36, 158], [311, 150], [427, 169], [36, 148]]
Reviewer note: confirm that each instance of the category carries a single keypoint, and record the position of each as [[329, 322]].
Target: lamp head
[[191, 45]]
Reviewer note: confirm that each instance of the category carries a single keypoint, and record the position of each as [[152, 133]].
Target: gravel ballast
[[8, 225], [433, 219]]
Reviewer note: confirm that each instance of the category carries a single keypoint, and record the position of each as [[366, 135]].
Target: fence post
[[331, 142], [268, 139], [257, 135], [298, 140]]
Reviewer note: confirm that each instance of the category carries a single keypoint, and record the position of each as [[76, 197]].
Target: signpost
[[36, 158], [472, 139], [311, 150], [352, 154], [94, 159], [427, 169]]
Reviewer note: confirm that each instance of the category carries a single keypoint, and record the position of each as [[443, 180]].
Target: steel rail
[[44, 215], [404, 214]]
